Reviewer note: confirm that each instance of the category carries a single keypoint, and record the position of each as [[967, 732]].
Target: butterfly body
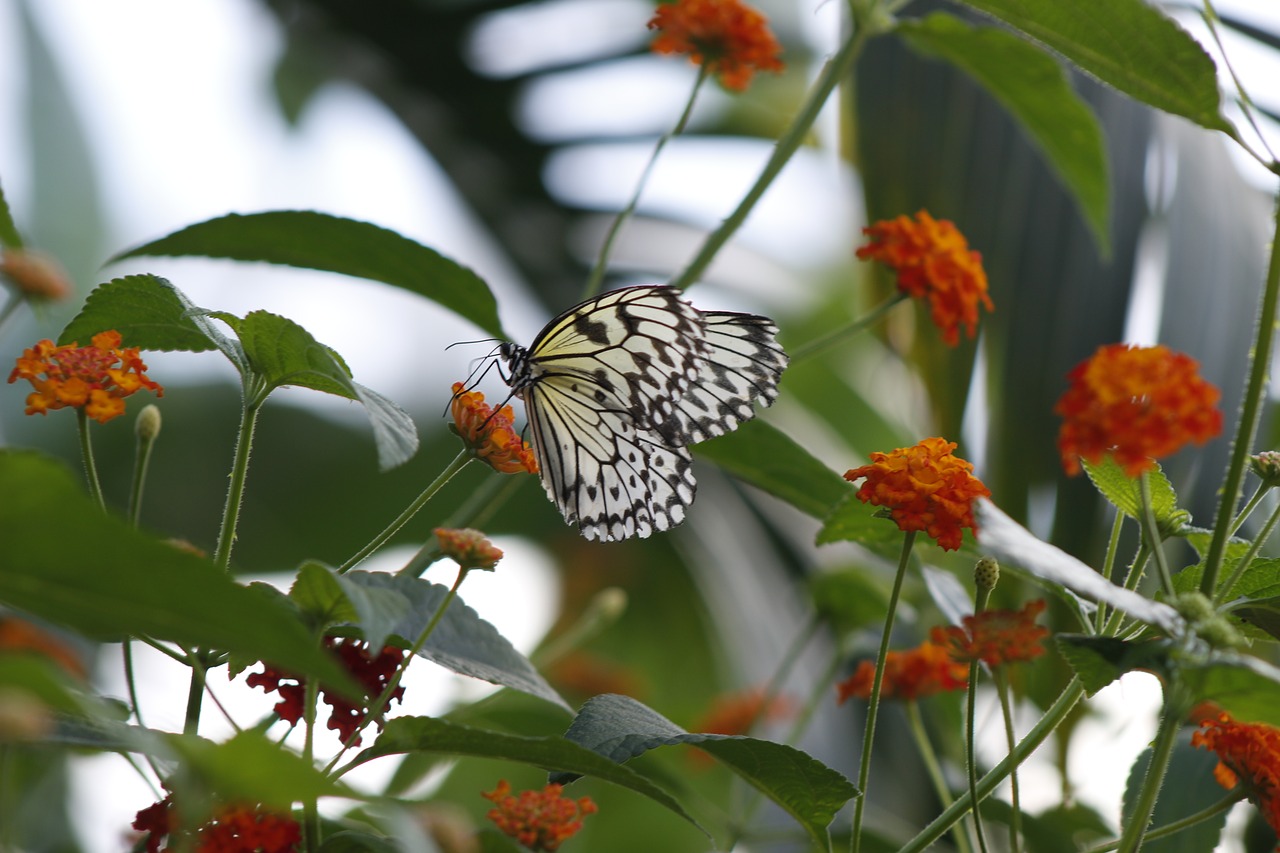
[[618, 387]]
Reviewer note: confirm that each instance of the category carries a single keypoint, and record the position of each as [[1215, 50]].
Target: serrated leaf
[[1034, 89], [1188, 789], [848, 599], [251, 768], [1098, 661], [1125, 492], [148, 312], [462, 642], [283, 353], [335, 598], [1127, 44], [851, 520], [620, 728], [318, 241], [770, 460], [68, 562], [556, 754], [1262, 614], [1001, 537], [10, 238], [1246, 688]]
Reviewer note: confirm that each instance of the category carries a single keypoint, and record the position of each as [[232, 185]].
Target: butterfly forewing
[[617, 388]]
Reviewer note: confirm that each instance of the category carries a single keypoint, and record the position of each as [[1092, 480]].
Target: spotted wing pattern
[[616, 389]]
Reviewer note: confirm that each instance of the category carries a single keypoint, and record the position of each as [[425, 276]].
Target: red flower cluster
[[371, 673], [913, 674], [727, 37], [933, 261], [540, 820], [490, 436], [995, 636], [735, 713], [237, 829], [1248, 754], [469, 548], [925, 488], [1136, 403], [95, 378]]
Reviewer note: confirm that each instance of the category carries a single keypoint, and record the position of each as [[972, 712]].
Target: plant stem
[[836, 69], [485, 500], [1161, 751], [934, 768], [1109, 567], [1151, 530], [1250, 413], [873, 701], [310, 806], [1011, 740], [1234, 796], [195, 694], [843, 333], [235, 488], [458, 463], [86, 455], [596, 278], [1261, 539], [141, 462], [1249, 506], [1039, 732], [970, 726]]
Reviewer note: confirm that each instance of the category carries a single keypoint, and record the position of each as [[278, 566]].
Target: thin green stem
[[86, 456], [970, 726], [1151, 530], [235, 488], [873, 701], [10, 307], [933, 767], [1258, 541], [1234, 796], [310, 805], [1161, 751], [844, 333], [1109, 567], [384, 698], [481, 505], [1011, 740], [195, 695], [836, 69], [596, 278], [458, 463], [1250, 413], [1249, 507], [141, 462]]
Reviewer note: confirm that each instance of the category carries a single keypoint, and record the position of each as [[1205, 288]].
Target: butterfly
[[617, 388]]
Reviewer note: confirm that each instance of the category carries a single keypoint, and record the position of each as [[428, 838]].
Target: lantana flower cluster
[[728, 38], [540, 820], [1248, 754], [235, 829], [96, 378], [490, 435]]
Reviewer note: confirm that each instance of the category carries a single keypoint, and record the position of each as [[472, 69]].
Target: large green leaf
[[1098, 661], [620, 728], [65, 560], [1125, 492], [557, 754], [1127, 44], [1245, 687], [149, 313], [336, 599], [9, 236], [1188, 788], [319, 241], [1033, 87], [462, 641], [851, 520], [252, 768], [768, 459]]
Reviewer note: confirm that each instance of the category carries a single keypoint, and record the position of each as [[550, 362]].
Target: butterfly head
[[519, 373]]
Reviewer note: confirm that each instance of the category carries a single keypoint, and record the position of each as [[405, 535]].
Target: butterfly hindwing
[[617, 388]]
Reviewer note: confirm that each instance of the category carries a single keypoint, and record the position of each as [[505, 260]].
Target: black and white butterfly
[[617, 388]]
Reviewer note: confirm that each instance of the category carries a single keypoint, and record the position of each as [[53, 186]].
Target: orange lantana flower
[[995, 636], [736, 713], [1136, 403], [540, 820], [1248, 754], [933, 260], [924, 487], [912, 674], [469, 548], [490, 435], [95, 378], [727, 37], [236, 829]]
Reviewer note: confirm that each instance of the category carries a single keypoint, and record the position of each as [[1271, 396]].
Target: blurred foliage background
[[505, 99]]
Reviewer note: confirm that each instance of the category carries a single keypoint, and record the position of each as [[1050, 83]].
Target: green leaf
[[1098, 661], [251, 768], [1012, 544], [350, 841], [318, 241], [1189, 788], [1127, 44], [1246, 688], [557, 754], [1125, 492], [848, 599], [768, 459], [335, 598], [66, 561], [283, 353], [9, 236], [853, 521], [1035, 91], [620, 728], [462, 641], [148, 312]]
